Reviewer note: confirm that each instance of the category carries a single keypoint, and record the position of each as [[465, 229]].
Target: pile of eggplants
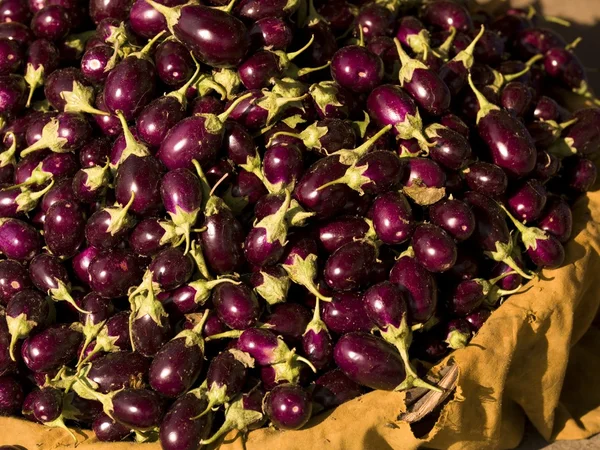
[[222, 215]]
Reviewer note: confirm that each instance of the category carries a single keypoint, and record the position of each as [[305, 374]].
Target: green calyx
[[275, 225], [296, 216], [235, 204], [50, 139], [288, 87], [419, 43], [529, 235], [171, 14], [294, 121], [273, 289], [80, 100], [78, 41], [27, 200], [97, 177], [206, 83], [422, 194], [204, 288], [145, 51], [350, 157], [285, 59], [90, 331], [503, 254], [316, 325], [401, 338], [325, 94], [443, 50], [7, 157], [275, 104], [119, 217], [303, 272], [132, 146], [313, 17], [466, 56], [411, 128], [229, 81], [198, 257], [236, 418], [457, 339], [180, 94], [104, 343], [485, 106], [216, 395], [61, 294], [118, 35], [361, 125], [354, 178], [409, 65], [34, 78], [310, 136], [226, 8], [214, 123], [19, 328]]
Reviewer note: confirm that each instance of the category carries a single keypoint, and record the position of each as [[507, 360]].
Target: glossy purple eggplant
[[107, 430], [527, 200], [486, 178], [67, 90], [369, 361], [11, 396], [450, 149], [19, 240], [27, 313], [557, 219], [433, 248], [181, 429], [13, 279], [215, 37], [349, 267], [334, 388], [357, 69], [51, 22], [174, 63], [271, 32], [236, 305], [346, 313], [50, 348], [113, 273], [288, 406], [392, 218], [64, 228], [579, 174], [454, 216]]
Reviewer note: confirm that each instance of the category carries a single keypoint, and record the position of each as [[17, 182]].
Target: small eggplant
[[215, 37], [67, 90], [226, 377], [528, 200], [288, 406], [357, 69], [178, 429], [119, 370], [13, 279], [334, 388], [27, 313], [455, 72], [11, 396], [316, 341], [236, 305], [433, 248], [509, 142], [19, 240], [113, 273], [412, 276], [454, 216], [486, 178], [557, 219], [543, 248], [64, 228], [65, 133], [449, 149], [349, 267], [445, 14], [392, 217], [369, 361], [423, 84], [42, 60], [51, 348], [49, 275], [424, 181]]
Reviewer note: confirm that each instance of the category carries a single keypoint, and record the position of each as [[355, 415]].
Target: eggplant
[[13, 279], [51, 348], [412, 276], [288, 406], [177, 430]]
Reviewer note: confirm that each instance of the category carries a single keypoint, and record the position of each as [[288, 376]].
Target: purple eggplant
[[173, 61], [349, 267], [67, 90], [272, 284], [422, 301], [346, 313], [486, 178], [12, 57], [14, 11], [137, 408], [557, 219], [65, 133], [49, 275], [579, 174], [288, 406], [454, 216], [357, 69], [331, 100], [544, 249], [51, 22], [527, 200], [195, 138], [226, 377], [11, 396], [491, 232], [272, 32], [178, 429], [446, 14], [113, 273], [236, 305], [509, 142], [423, 84], [14, 94], [282, 167], [107, 430], [109, 9], [316, 341], [215, 37], [457, 333], [385, 305], [223, 238], [433, 248], [138, 73], [450, 149], [7, 365], [64, 228], [392, 218], [139, 177], [325, 136], [337, 232], [369, 361], [265, 242], [424, 180], [51, 348], [119, 370], [27, 313], [19, 240], [13, 279]]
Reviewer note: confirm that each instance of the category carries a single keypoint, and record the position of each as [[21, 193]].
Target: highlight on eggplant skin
[[227, 215]]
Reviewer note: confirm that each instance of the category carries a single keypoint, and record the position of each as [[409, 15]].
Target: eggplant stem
[[225, 114], [212, 191], [225, 335], [307, 362], [211, 403], [200, 325], [293, 55], [558, 21], [574, 44]]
